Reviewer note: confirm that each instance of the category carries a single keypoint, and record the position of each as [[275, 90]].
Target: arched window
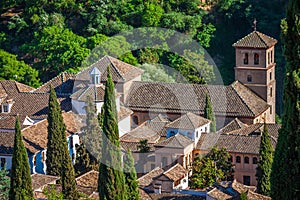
[[246, 58], [254, 160], [43, 156], [34, 161], [256, 59], [238, 159], [135, 120], [272, 56], [246, 160], [249, 78]]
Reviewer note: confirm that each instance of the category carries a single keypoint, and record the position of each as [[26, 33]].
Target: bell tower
[[255, 67]]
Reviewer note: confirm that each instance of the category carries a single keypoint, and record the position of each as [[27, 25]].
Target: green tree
[[143, 146], [285, 175], [68, 181], [221, 158], [130, 177], [20, 183], [56, 128], [4, 184], [92, 133], [204, 173], [12, 69], [111, 181], [209, 114], [83, 162], [155, 73], [263, 170], [56, 50], [151, 14]]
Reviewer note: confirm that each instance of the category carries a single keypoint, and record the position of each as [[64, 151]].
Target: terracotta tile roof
[[233, 100], [144, 195], [121, 71], [35, 136], [239, 187], [160, 118], [218, 194], [188, 121], [62, 84], [176, 141], [6, 142], [147, 179], [142, 132], [24, 88], [123, 113], [176, 173], [255, 196], [207, 141], [89, 179], [41, 180], [170, 196], [83, 93], [133, 146], [244, 140], [233, 125], [256, 40]]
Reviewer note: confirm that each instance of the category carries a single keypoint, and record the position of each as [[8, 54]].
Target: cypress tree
[[263, 170], [111, 181], [56, 128], [20, 183], [68, 175], [209, 113], [130, 177], [285, 175], [4, 184]]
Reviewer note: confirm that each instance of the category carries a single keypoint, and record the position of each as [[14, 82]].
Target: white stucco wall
[[124, 126]]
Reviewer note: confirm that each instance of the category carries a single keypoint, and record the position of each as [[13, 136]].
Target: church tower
[[255, 67]]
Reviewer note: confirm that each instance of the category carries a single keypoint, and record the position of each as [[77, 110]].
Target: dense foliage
[[215, 166], [20, 183], [264, 167], [56, 130], [130, 177], [111, 181], [4, 184], [12, 69], [285, 175]]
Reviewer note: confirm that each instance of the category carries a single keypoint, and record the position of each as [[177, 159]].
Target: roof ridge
[[259, 36], [237, 82], [187, 114], [116, 69]]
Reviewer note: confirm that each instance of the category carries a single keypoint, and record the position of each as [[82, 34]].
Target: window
[[246, 160], [270, 76], [238, 159], [152, 166], [230, 159], [71, 142], [197, 134], [164, 161], [205, 129], [271, 92], [73, 156], [172, 133], [246, 180], [256, 59], [269, 59], [34, 161], [246, 59], [5, 108], [3, 161], [272, 56], [43, 156], [254, 160], [271, 110], [249, 78], [135, 120]]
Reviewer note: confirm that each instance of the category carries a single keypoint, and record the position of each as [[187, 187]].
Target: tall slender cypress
[[20, 183], [111, 181], [263, 170], [56, 128], [130, 177], [68, 175], [285, 175], [209, 114]]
